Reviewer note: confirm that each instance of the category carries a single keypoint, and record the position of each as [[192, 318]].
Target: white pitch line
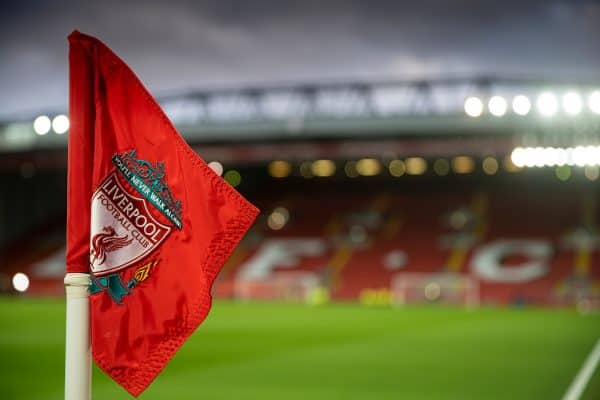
[[584, 374]]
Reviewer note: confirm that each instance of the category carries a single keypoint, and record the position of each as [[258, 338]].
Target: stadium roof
[[480, 107]]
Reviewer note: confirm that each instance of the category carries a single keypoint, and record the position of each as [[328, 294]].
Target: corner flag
[[147, 219]]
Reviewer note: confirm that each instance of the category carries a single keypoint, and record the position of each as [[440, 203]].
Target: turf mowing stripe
[[585, 373]]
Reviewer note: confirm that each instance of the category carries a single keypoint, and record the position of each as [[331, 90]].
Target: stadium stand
[[518, 253], [350, 242]]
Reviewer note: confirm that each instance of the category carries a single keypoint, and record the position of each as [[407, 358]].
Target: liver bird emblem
[[107, 241]]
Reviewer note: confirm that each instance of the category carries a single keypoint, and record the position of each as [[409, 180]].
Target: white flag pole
[[78, 361]]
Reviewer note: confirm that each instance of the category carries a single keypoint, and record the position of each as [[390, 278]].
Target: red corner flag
[[150, 221]]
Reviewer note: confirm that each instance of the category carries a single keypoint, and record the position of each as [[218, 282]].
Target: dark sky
[[174, 45]]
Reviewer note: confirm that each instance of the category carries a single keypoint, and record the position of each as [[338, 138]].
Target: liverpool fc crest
[[124, 228]]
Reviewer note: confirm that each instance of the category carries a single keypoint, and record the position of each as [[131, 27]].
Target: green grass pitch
[[285, 351]]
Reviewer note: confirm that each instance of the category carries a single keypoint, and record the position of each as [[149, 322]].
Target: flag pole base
[[78, 360]]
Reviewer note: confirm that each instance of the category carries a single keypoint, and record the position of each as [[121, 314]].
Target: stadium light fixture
[[397, 168], [585, 155], [592, 172], [497, 106], [549, 157], [591, 155], [368, 167], [323, 168], [518, 157], [489, 165], [580, 156], [279, 169], [563, 173], [473, 107], [20, 282], [306, 170], [278, 218], [547, 104], [535, 157], [415, 165], [42, 125], [441, 167], [233, 177], [562, 157], [350, 169], [217, 167], [463, 165], [521, 105], [572, 103], [60, 124], [529, 157], [594, 102], [545, 157]]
